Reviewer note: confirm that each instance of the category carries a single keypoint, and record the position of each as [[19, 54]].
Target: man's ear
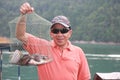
[[51, 35], [70, 33]]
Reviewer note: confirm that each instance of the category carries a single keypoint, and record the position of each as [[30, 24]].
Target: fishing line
[[2, 46], [1, 64]]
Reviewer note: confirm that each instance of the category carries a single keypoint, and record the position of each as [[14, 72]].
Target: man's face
[[60, 34]]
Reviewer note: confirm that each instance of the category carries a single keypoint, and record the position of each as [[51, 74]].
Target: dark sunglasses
[[63, 30]]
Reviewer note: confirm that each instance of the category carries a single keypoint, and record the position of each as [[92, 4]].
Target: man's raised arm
[[21, 24]]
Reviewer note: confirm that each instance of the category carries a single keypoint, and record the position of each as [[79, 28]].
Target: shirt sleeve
[[84, 72], [35, 45]]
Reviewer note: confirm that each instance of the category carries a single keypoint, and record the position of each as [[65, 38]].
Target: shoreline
[[5, 40], [94, 42]]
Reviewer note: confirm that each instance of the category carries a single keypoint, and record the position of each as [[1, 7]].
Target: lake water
[[102, 58]]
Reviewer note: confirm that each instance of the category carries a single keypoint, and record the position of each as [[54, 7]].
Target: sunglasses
[[56, 31]]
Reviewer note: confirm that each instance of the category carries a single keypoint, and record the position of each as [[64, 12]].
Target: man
[[69, 61]]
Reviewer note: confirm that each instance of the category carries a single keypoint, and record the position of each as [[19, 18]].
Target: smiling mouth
[[59, 39]]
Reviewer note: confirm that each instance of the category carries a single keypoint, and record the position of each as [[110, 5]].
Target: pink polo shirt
[[71, 64]]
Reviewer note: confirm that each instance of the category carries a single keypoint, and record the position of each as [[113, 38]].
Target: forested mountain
[[97, 20]]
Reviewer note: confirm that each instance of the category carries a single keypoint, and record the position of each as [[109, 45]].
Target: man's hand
[[26, 8]]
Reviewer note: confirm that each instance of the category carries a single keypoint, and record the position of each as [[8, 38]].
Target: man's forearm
[[21, 28]]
